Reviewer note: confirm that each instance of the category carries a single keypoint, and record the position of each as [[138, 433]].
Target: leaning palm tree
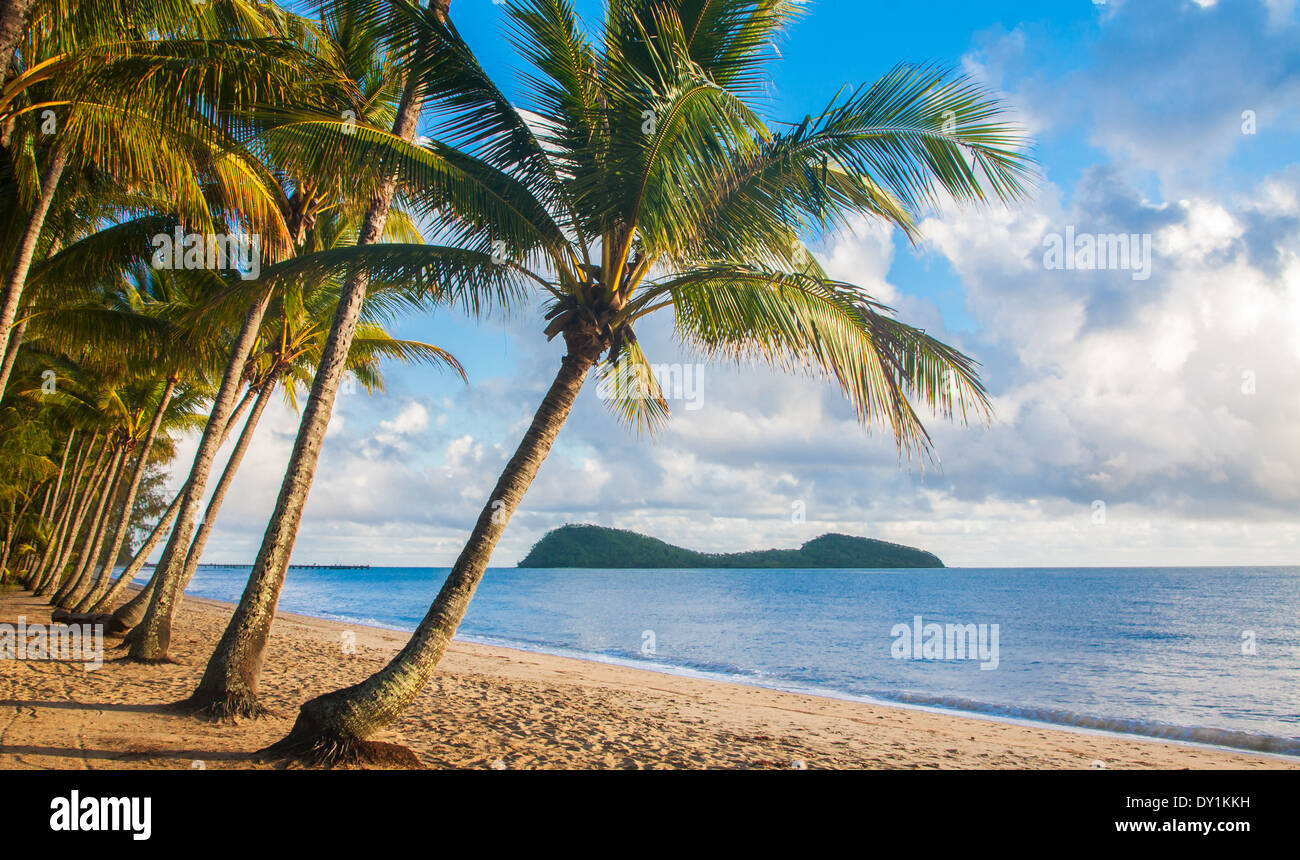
[[291, 359], [133, 91], [27, 473], [81, 395], [644, 180], [444, 273], [319, 183], [132, 319], [148, 408], [154, 97]]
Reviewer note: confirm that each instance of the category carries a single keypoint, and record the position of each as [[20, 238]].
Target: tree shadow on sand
[[186, 756], [88, 706]]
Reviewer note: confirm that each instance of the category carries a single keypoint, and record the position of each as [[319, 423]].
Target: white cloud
[[864, 257]]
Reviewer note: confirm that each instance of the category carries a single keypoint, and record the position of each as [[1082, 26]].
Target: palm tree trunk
[[74, 526], [11, 353], [223, 484], [10, 529], [52, 500], [97, 502], [64, 516], [15, 516], [13, 17], [334, 727], [87, 579], [216, 697], [137, 562], [45, 502], [48, 498], [19, 331], [129, 614], [80, 579], [150, 639], [240, 658], [54, 547], [128, 504], [13, 289]]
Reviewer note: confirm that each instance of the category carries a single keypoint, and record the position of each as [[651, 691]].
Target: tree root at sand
[[224, 708], [336, 752]]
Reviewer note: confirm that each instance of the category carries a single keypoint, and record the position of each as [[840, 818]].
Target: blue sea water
[[1207, 654]]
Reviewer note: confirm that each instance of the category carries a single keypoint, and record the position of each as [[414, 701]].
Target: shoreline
[[1148, 731], [496, 706], [882, 702]]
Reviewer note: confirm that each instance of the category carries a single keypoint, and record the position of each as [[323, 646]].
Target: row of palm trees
[[385, 172]]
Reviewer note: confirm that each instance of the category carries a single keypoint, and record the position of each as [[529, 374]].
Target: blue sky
[[1171, 402]]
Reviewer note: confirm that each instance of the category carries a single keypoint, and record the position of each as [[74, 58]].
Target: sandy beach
[[498, 707]]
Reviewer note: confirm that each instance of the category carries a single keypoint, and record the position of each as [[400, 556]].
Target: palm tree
[[648, 182], [149, 408], [132, 319], [13, 17], [132, 91], [76, 397], [116, 410], [292, 356], [179, 412], [39, 531], [150, 640], [59, 514], [131, 613], [139, 443], [26, 469], [149, 97], [97, 393]]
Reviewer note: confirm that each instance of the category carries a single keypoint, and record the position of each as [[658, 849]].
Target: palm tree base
[[319, 739], [152, 654], [228, 707], [305, 746]]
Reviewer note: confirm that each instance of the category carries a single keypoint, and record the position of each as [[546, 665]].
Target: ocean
[[1204, 654]]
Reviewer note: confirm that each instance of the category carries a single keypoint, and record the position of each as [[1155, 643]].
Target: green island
[[598, 546]]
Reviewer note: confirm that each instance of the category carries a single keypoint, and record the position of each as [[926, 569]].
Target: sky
[[1143, 415]]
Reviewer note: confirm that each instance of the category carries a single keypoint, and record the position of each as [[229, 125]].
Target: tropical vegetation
[[605, 548]]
